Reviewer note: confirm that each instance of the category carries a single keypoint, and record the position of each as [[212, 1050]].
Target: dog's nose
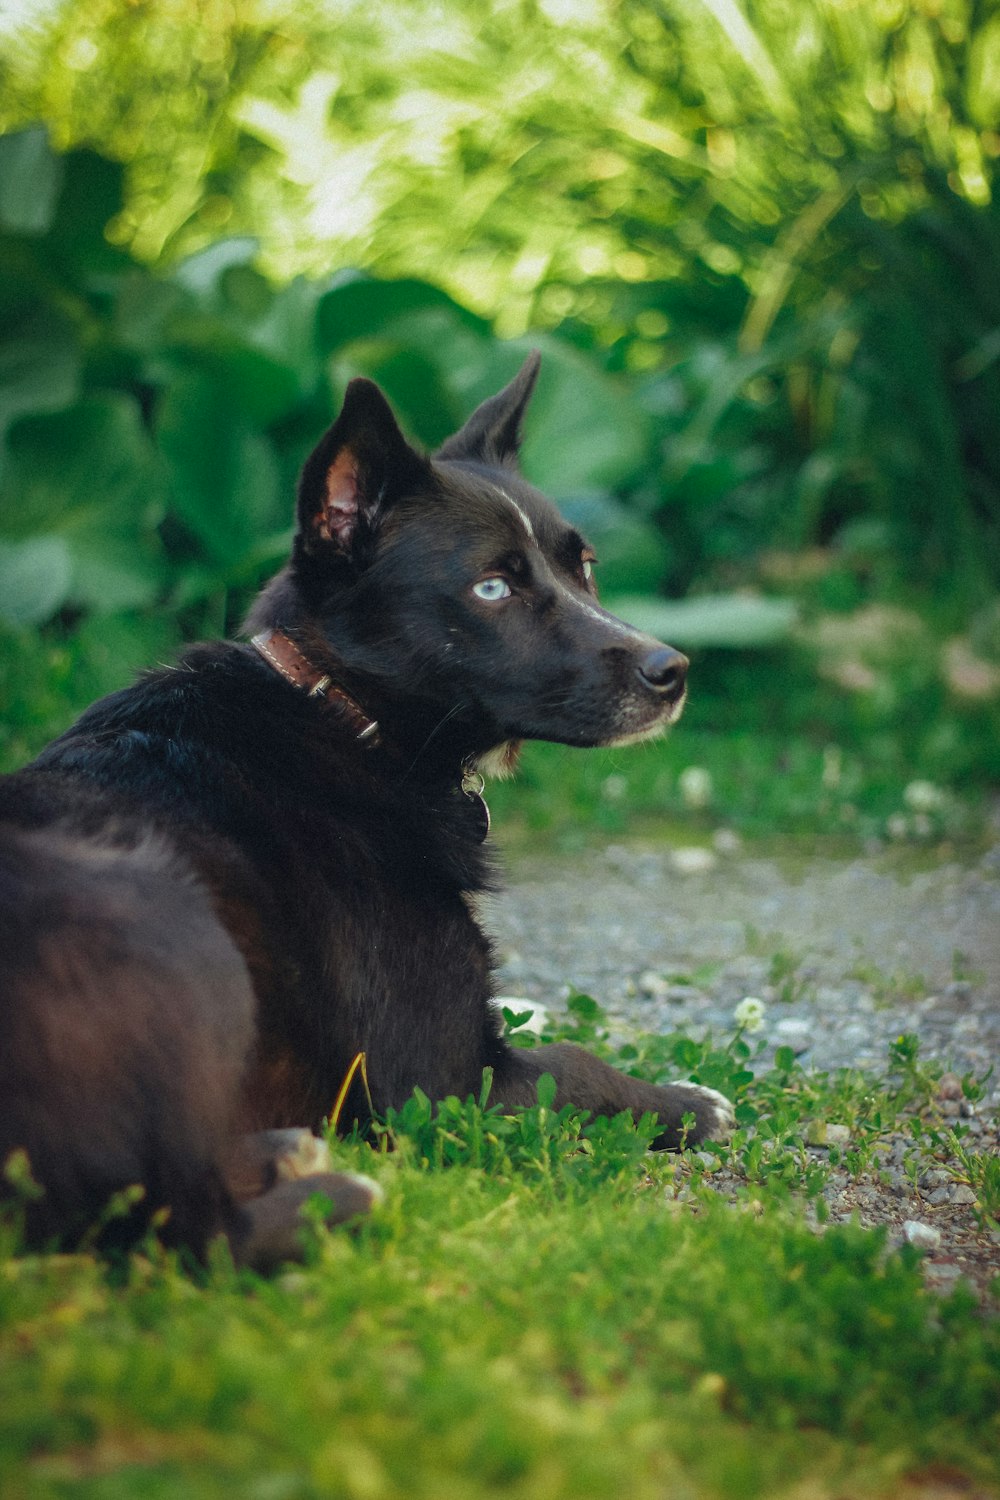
[[664, 670]]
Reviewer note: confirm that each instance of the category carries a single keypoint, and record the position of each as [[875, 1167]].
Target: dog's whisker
[[451, 714]]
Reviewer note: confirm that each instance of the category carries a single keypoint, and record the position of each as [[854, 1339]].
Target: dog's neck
[[290, 662], [281, 653]]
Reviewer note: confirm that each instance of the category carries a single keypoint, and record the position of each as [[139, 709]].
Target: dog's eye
[[492, 589]]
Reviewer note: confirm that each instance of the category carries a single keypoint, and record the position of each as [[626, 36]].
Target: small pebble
[[726, 841], [693, 860], [793, 1032], [921, 1236], [934, 1178], [819, 1133]]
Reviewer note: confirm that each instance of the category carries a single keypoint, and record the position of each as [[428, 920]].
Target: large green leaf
[[733, 620], [39, 372], [359, 307], [201, 273], [90, 477], [35, 578], [30, 178], [584, 429], [223, 475], [437, 361]]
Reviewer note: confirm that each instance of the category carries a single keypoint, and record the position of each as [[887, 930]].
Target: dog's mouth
[[665, 716], [591, 722]]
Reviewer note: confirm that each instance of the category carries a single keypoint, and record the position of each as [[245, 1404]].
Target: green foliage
[[763, 248], [780, 219], [562, 1150]]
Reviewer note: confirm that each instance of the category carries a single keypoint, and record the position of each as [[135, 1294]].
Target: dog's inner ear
[[492, 435], [336, 521], [359, 468]]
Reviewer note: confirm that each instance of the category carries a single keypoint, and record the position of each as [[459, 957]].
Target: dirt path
[[847, 954]]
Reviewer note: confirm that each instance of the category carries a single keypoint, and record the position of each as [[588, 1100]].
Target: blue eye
[[492, 590]]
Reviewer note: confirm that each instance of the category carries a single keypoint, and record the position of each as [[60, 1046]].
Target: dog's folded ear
[[492, 435], [361, 465]]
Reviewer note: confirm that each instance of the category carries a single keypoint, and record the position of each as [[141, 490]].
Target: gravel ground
[[847, 955]]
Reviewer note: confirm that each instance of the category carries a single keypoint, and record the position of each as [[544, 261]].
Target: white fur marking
[[722, 1109], [525, 519], [610, 622]]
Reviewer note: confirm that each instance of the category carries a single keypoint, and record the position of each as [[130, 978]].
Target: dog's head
[[453, 598]]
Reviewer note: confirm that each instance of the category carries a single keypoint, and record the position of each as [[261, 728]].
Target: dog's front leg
[[588, 1083]]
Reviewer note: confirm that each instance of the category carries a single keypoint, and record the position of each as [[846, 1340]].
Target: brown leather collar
[[285, 657]]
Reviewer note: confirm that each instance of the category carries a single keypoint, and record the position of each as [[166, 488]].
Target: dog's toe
[[272, 1224], [714, 1112]]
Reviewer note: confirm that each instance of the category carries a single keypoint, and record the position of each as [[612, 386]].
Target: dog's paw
[[270, 1230], [713, 1112]]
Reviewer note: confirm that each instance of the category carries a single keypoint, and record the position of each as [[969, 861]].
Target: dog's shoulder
[[219, 747]]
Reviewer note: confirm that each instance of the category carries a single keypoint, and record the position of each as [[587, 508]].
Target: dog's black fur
[[215, 891]]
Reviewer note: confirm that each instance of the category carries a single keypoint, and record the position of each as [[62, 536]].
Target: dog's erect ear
[[492, 435], [357, 470]]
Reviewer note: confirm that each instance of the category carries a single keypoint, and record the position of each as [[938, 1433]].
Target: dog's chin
[[500, 762], [651, 730]]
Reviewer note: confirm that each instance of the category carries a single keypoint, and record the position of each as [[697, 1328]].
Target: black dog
[[225, 882]]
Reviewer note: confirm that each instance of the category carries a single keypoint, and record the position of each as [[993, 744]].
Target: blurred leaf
[[223, 476], [585, 430], [30, 177], [202, 272], [39, 372], [89, 476], [631, 552], [34, 579], [983, 77], [359, 306], [88, 468], [733, 620], [92, 193]]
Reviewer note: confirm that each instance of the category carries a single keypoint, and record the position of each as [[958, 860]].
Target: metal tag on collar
[[473, 787]]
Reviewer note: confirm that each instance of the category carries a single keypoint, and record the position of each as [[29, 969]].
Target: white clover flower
[[833, 767], [695, 786], [614, 788], [923, 797], [749, 1014]]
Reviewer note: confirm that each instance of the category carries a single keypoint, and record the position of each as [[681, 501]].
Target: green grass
[[540, 1309], [767, 788]]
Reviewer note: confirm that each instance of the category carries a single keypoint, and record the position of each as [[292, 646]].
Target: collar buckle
[[281, 653]]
